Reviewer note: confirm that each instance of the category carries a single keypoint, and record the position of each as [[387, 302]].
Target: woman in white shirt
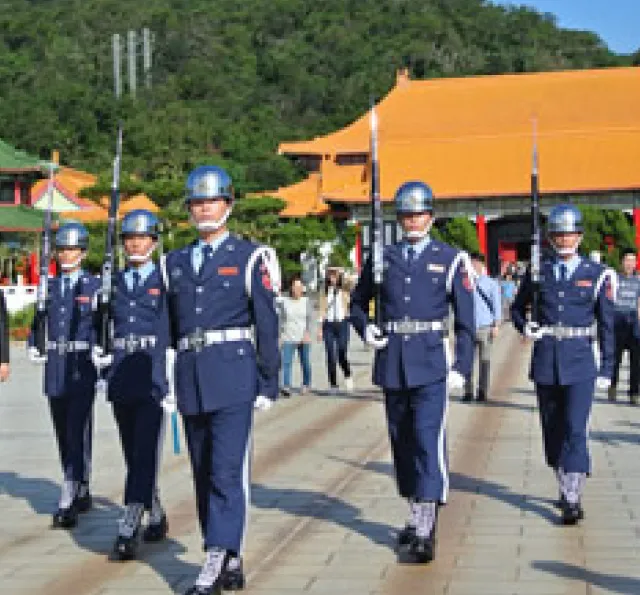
[[295, 334], [334, 330]]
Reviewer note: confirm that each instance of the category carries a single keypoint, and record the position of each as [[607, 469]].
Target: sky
[[617, 22]]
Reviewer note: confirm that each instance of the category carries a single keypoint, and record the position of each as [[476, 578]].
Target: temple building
[[472, 140]]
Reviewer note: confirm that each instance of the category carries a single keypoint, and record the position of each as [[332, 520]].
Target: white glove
[[100, 359], [603, 383], [263, 403], [373, 336], [34, 356], [169, 403], [533, 331], [455, 380]]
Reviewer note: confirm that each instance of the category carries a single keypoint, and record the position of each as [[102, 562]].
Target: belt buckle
[[130, 343], [61, 346], [197, 340]]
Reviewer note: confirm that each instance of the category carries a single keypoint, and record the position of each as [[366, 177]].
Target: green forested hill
[[231, 78]]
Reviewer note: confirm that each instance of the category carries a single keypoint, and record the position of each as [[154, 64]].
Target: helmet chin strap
[[71, 265], [567, 251], [419, 234], [137, 258], [212, 225]]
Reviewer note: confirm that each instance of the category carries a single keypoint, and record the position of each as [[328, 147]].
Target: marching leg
[[401, 436], [574, 463], [429, 409]]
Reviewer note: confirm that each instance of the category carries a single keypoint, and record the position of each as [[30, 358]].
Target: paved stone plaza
[[324, 508]]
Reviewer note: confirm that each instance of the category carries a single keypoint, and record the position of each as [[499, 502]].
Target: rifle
[[376, 221], [175, 427], [535, 231], [109, 264], [40, 322]]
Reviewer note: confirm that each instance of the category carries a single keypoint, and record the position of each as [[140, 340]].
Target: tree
[[233, 79], [601, 224], [459, 232]]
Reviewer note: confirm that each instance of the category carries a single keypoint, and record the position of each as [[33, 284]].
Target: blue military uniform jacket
[[216, 298], [583, 299], [70, 318], [423, 290], [140, 313]]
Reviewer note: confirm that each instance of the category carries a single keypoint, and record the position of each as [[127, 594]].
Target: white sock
[[212, 567], [68, 493], [130, 521]]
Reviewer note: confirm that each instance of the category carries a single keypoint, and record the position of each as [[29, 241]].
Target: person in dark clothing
[[4, 340]]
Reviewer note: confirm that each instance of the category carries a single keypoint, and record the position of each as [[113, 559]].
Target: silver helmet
[[414, 197], [72, 234], [209, 182], [140, 222], [565, 218]]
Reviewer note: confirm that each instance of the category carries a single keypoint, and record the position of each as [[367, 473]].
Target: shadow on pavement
[[458, 482], [97, 528], [611, 582], [41, 494], [316, 505]]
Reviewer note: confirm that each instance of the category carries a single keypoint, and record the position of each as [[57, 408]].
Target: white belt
[[134, 342], [568, 332], [407, 327], [62, 346], [199, 338]]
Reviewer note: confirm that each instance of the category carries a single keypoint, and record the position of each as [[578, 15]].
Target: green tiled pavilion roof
[[13, 161], [21, 218]]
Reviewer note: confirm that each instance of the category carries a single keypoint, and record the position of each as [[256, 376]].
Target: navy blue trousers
[[219, 445], [564, 416], [626, 340], [73, 424], [336, 342], [417, 419], [140, 424]]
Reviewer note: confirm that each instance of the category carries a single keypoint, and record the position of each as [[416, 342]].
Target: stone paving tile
[[501, 536]]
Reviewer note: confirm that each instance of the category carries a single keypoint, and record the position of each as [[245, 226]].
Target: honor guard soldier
[[136, 377], [69, 374], [423, 278], [223, 317], [575, 310], [627, 330]]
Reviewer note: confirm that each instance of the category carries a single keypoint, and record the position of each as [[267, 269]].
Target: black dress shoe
[[214, 589], [467, 398], [571, 513], [423, 549], [65, 518], [406, 536], [232, 576], [126, 548], [482, 397], [156, 531]]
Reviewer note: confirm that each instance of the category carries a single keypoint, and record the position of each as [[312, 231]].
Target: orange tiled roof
[[138, 201], [92, 215], [69, 182], [472, 137], [100, 212], [302, 198]]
